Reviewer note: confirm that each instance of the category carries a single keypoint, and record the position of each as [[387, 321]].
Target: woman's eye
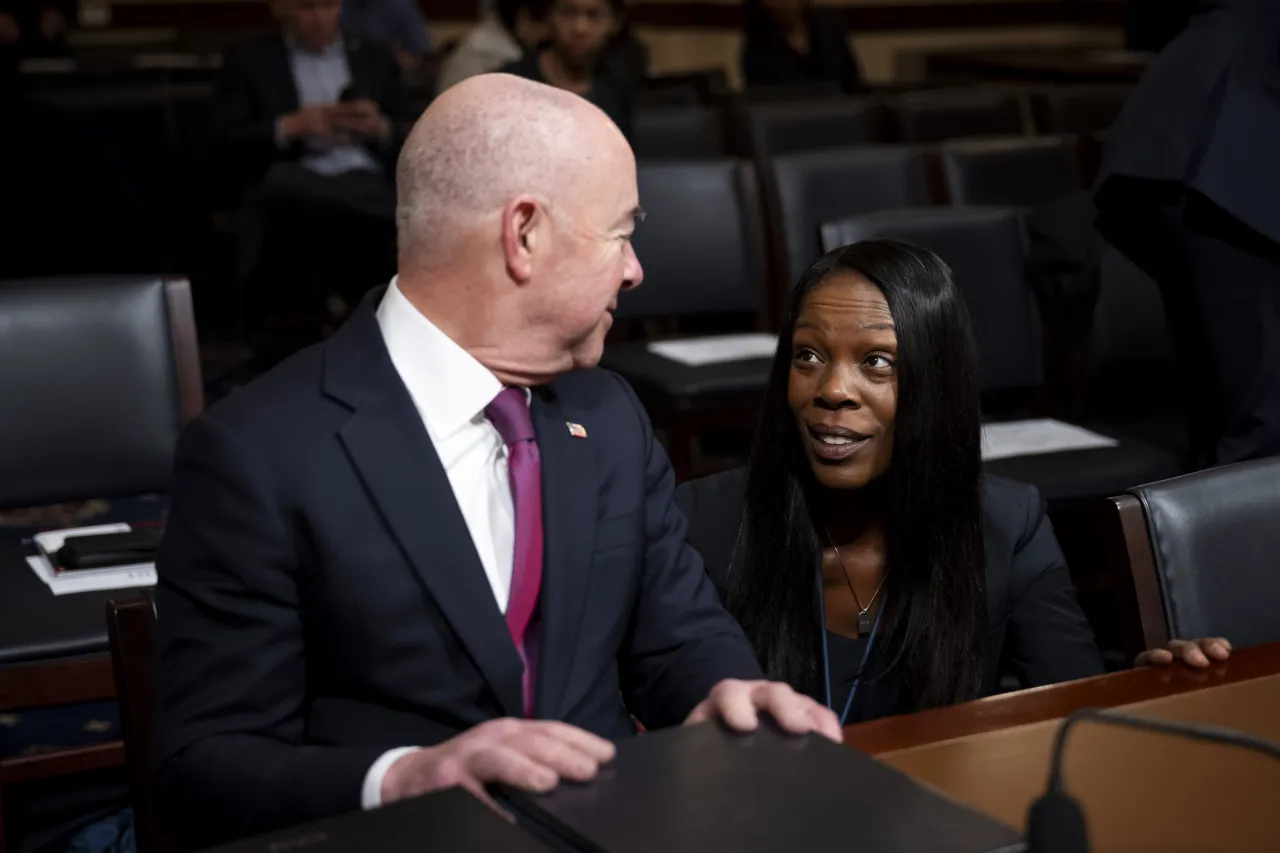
[[807, 355], [879, 362]]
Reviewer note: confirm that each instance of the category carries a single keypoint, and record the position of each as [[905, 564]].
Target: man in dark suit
[[440, 548], [1188, 192], [311, 123]]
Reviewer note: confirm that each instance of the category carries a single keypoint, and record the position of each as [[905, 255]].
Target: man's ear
[[522, 236]]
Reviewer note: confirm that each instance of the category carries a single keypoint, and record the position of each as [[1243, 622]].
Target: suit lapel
[[390, 448], [568, 523], [286, 88]]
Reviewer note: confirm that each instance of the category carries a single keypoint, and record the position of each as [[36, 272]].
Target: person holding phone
[[308, 121]]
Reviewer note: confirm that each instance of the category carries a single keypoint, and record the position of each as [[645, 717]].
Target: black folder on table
[[451, 821], [704, 789]]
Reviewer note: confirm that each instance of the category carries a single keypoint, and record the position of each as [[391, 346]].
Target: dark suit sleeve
[[238, 123], [1049, 639], [231, 678], [681, 642]]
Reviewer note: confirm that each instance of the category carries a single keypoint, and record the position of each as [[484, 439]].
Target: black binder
[[704, 790], [451, 821]]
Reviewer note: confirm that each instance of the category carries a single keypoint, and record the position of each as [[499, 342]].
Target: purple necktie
[[509, 412]]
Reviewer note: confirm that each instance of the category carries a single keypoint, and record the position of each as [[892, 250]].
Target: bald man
[[440, 548]]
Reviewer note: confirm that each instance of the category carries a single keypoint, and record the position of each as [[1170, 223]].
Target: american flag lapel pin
[[576, 430]]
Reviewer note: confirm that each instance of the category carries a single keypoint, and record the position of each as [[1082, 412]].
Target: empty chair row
[[809, 188], [771, 127]]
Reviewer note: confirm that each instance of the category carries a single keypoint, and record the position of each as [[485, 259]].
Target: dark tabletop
[[37, 625]]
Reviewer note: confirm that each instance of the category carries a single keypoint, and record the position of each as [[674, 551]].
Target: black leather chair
[[1201, 550], [701, 246], [770, 129], [1082, 109], [1015, 172], [940, 114], [806, 189], [98, 375], [984, 247], [677, 132]]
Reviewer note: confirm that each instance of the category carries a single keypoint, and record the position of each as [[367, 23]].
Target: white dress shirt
[[450, 390]]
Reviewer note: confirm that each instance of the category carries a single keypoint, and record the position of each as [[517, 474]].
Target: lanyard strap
[[826, 655]]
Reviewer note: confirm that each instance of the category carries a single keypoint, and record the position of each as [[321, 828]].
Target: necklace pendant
[[864, 622]]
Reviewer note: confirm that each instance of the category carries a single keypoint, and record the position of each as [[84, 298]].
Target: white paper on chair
[[86, 580], [1026, 438], [696, 352]]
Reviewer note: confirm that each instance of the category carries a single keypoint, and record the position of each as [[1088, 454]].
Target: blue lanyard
[[826, 657]]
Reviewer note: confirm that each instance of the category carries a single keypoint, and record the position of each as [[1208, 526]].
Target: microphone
[[1056, 824]]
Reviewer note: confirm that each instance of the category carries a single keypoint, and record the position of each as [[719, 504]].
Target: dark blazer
[[256, 87], [1037, 630], [768, 60], [321, 600], [1205, 117]]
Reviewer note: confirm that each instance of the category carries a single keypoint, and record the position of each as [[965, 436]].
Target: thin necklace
[[864, 619]]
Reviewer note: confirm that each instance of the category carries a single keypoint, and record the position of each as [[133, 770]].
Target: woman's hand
[[1197, 653]]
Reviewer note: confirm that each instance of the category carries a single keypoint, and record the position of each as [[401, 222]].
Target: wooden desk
[[1140, 792]]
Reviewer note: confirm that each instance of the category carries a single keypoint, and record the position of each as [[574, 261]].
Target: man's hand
[[362, 118], [1197, 653], [10, 32], [530, 754], [739, 704], [314, 121]]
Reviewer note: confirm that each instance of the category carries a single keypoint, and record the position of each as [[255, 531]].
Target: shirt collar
[[337, 47], [448, 386]]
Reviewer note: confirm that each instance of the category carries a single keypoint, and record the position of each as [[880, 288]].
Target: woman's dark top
[[769, 60], [611, 91], [1036, 629]]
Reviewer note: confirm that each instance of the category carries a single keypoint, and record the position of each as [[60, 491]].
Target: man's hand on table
[[533, 755], [738, 704]]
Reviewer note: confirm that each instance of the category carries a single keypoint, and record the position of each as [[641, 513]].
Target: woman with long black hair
[[868, 558]]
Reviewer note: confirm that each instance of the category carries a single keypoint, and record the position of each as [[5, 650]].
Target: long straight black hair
[[934, 621]]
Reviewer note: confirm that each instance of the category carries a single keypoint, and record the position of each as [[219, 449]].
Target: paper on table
[[1026, 438], [696, 352], [86, 580]]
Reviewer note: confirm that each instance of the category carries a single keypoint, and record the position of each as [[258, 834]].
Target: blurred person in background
[[511, 29], [310, 122], [1187, 191], [577, 57], [790, 43], [36, 28], [398, 23]]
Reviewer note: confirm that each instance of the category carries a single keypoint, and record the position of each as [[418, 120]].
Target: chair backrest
[[809, 188], [941, 114], [97, 377], [701, 244], [676, 132], [1202, 551], [131, 630], [1014, 172], [782, 127], [1080, 109], [984, 248]]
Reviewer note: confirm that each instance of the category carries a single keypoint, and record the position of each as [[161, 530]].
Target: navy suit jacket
[[321, 600]]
